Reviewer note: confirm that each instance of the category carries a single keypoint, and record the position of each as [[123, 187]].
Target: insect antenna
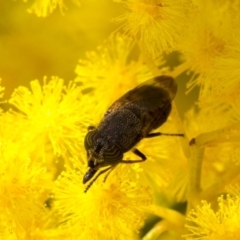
[[89, 185], [100, 173], [105, 178]]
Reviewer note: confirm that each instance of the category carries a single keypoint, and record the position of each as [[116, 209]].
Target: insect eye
[[87, 142], [90, 139]]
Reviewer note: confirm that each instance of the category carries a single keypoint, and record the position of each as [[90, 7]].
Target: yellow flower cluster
[[50, 113], [222, 224], [182, 190], [156, 24], [116, 206]]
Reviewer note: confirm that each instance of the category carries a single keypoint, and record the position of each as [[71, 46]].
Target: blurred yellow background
[[32, 47]]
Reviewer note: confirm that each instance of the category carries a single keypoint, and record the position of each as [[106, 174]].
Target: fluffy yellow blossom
[[111, 210], [43, 8], [202, 43], [206, 224], [24, 187], [156, 24], [208, 47], [226, 72], [106, 74], [42, 154], [53, 113]]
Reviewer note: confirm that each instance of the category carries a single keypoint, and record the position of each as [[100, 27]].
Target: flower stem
[[226, 134], [195, 168], [160, 228], [173, 217]]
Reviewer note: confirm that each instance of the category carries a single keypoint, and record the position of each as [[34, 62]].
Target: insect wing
[[150, 95]]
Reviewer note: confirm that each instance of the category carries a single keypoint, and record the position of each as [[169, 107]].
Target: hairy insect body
[[130, 119], [123, 127], [118, 132]]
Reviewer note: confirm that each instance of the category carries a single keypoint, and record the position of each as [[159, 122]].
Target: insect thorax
[[122, 127]]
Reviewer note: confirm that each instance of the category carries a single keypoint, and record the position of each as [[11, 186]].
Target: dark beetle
[[130, 119]]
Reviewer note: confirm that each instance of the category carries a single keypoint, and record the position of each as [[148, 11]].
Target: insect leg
[[100, 173], [150, 135], [138, 153]]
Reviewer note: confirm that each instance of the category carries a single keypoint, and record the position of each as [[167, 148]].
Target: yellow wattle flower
[[44, 130], [155, 24], [206, 224], [208, 47], [107, 210], [53, 113], [24, 187], [226, 71], [106, 74]]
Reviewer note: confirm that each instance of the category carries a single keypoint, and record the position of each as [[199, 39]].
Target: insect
[[128, 120]]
